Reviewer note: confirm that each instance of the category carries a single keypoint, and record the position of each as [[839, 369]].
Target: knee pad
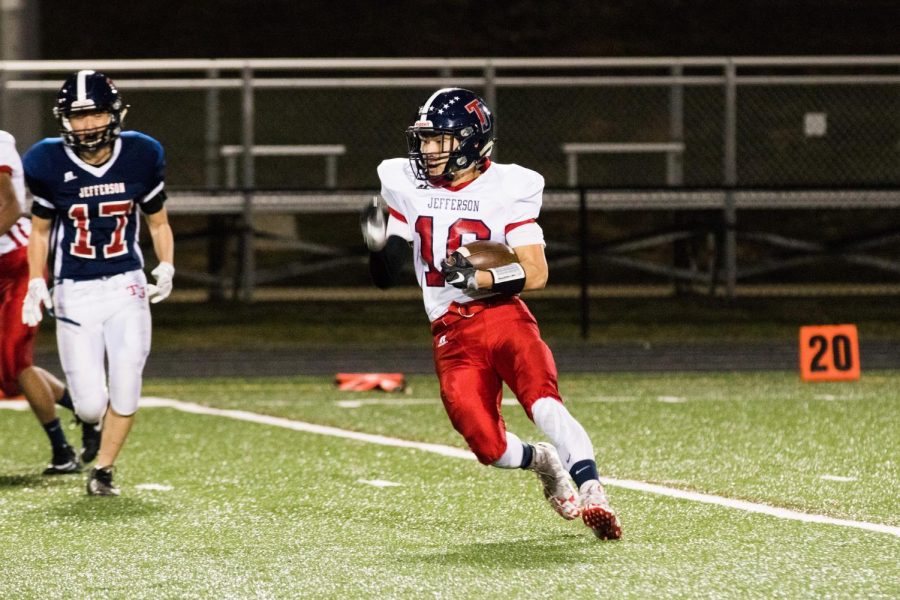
[[91, 411]]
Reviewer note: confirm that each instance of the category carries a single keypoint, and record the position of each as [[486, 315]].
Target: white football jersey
[[501, 205], [10, 162]]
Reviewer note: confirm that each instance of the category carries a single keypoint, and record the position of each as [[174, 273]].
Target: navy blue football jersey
[[96, 224]]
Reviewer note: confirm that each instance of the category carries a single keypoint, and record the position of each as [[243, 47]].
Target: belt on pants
[[459, 311]]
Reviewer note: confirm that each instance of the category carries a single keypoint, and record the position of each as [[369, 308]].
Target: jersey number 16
[[425, 229]]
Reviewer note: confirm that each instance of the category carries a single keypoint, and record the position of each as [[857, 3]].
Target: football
[[487, 255]]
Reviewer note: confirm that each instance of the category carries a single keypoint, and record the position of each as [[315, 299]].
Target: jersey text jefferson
[[457, 204], [102, 190]]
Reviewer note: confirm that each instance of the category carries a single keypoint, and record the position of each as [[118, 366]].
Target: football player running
[[87, 187], [17, 370], [446, 194]]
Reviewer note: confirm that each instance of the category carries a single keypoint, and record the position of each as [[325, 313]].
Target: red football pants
[[473, 357], [16, 338]]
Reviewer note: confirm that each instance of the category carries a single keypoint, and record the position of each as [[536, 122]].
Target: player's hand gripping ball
[[459, 268]]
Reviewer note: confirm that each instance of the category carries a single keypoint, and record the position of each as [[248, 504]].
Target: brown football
[[487, 255]]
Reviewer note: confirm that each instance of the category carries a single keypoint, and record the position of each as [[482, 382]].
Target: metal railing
[[731, 131], [685, 94]]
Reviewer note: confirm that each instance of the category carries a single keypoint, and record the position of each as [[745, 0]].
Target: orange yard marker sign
[[829, 353]]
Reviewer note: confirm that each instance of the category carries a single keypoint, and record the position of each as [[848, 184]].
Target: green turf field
[[217, 507]]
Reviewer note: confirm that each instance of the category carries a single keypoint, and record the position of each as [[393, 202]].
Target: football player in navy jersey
[[88, 186]]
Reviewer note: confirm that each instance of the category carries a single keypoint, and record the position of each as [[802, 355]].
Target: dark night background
[[458, 28]]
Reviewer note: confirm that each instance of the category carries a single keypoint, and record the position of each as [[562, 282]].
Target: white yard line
[[14, 404], [379, 482], [452, 452]]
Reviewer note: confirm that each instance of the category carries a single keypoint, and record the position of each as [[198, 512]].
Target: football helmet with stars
[[89, 92], [464, 127]]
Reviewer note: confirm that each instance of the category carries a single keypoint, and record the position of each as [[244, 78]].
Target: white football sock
[[512, 456], [567, 434]]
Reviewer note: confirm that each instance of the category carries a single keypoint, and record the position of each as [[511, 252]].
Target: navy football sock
[[55, 433], [584, 470], [66, 400], [527, 455]]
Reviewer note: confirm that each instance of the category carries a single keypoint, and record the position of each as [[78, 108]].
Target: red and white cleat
[[558, 488], [597, 514]]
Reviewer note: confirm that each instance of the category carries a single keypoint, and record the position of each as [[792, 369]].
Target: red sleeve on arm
[[6, 169], [512, 226], [397, 214]]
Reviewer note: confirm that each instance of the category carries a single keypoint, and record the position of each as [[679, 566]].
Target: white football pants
[[113, 319]]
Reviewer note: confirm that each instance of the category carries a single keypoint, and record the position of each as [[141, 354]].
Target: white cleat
[[558, 488], [596, 512]]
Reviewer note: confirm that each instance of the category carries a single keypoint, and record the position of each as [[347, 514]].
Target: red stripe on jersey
[[512, 226], [397, 214], [6, 169], [20, 237], [19, 243]]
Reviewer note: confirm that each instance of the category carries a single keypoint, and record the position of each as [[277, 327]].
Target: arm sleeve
[[386, 264], [41, 193], [523, 229], [152, 202]]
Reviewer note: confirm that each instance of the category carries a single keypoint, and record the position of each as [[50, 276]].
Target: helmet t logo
[[475, 107]]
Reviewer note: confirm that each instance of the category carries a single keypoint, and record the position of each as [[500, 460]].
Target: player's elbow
[[537, 282]]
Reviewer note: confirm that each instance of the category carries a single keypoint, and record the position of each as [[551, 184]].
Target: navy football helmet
[[464, 126], [89, 92]]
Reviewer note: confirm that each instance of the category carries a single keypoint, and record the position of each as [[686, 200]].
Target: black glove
[[459, 272]]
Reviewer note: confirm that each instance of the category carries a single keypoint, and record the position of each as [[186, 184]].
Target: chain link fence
[[689, 126]]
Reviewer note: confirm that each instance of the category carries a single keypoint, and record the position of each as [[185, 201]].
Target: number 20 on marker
[[829, 353]]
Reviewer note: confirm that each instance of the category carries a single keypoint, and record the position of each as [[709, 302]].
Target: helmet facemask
[[93, 139], [89, 92], [450, 151]]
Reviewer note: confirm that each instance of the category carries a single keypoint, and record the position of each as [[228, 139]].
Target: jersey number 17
[[82, 247]]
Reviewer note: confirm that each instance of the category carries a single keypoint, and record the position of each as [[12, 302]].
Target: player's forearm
[[386, 265], [535, 276], [534, 263], [38, 248], [163, 242]]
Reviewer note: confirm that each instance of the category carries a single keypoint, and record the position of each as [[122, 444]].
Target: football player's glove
[[31, 307], [163, 273], [373, 224], [459, 272]]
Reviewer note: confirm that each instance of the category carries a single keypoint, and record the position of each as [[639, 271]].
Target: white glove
[[163, 273], [31, 306], [373, 224]]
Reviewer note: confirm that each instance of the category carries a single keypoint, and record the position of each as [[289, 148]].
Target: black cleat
[[64, 461], [90, 442], [100, 483]]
